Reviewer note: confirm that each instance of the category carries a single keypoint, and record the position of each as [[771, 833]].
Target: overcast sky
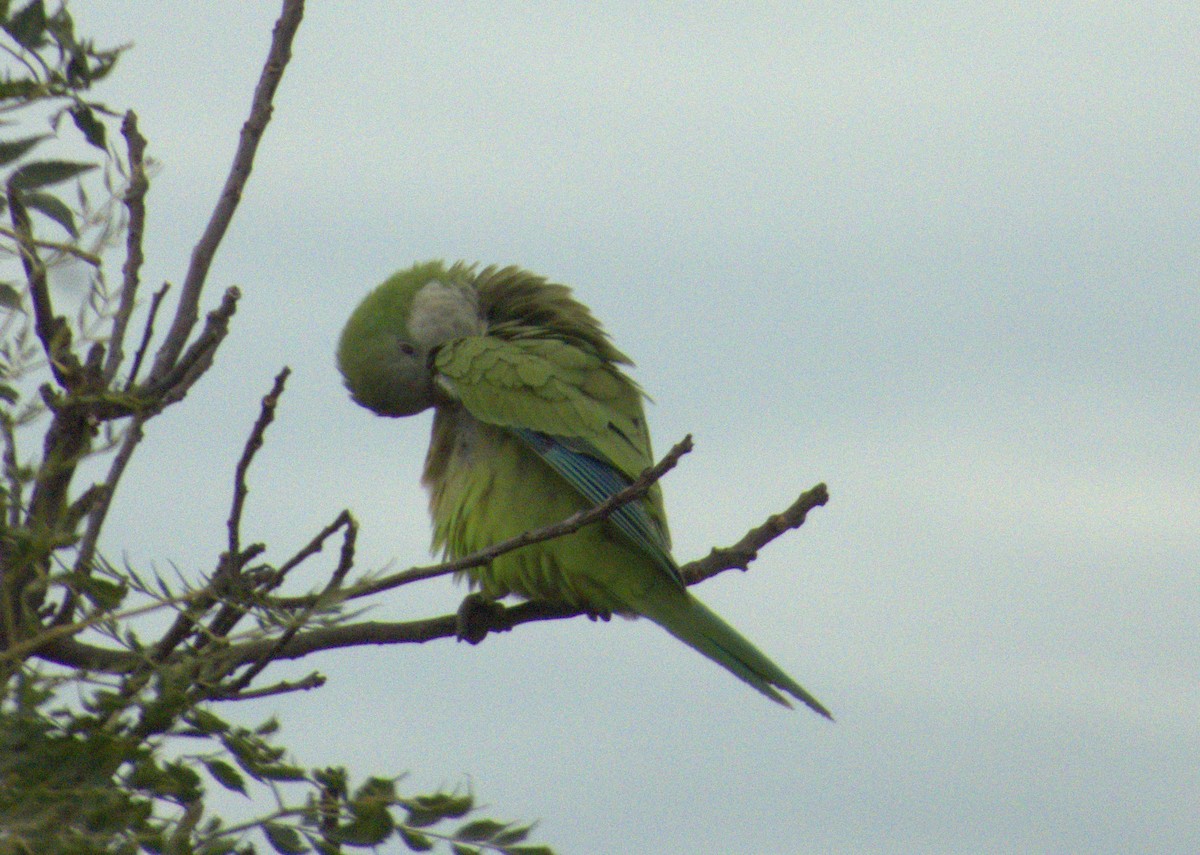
[[943, 257]]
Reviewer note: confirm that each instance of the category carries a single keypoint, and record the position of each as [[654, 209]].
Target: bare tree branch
[[99, 512], [51, 329], [176, 382], [50, 638], [187, 312], [571, 524], [225, 582], [135, 205], [737, 556], [69, 652], [147, 334], [283, 687], [345, 563], [58, 246], [16, 489], [746, 550], [254, 442], [342, 520]]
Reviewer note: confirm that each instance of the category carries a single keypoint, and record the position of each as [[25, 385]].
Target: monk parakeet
[[534, 420]]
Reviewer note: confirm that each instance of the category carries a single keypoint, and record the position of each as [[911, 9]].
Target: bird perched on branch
[[534, 420]]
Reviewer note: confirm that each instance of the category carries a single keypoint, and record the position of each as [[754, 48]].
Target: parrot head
[[386, 347]]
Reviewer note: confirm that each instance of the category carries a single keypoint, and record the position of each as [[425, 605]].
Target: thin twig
[[135, 205], [49, 638], [147, 333], [65, 248], [298, 621], [342, 520], [52, 330], [312, 681], [99, 512], [477, 559], [187, 312], [266, 415], [504, 619], [16, 490], [67, 651], [225, 580], [739, 556], [174, 385]]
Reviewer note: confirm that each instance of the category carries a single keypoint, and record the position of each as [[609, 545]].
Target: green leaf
[[12, 90], [180, 782], [132, 641], [105, 702], [529, 850], [512, 835], [414, 840], [427, 810], [376, 791], [258, 759], [43, 173], [367, 829], [459, 849], [62, 27], [9, 394], [28, 26], [284, 839], [331, 779], [102, 593], [54, 208], [14, 149], [10, 297], [144, 774], [158, 716], [479, 830], [93, 129], [155, 842], [225, 775], [207, 722], [219, 846], [282, 772]]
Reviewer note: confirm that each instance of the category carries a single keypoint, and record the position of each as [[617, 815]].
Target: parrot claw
[[476, 617], [597, 614]]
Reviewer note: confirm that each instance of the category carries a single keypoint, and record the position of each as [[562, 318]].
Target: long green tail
[[697, 626]]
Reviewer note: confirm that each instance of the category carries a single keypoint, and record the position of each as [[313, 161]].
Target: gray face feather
[[442, 312]]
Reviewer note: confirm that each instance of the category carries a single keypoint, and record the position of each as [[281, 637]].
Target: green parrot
[[534, 420]]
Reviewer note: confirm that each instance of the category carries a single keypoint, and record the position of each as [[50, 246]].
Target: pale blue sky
[[944, 257]]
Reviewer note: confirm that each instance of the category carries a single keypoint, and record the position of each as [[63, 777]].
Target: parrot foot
[[598, 614], [476, 617]]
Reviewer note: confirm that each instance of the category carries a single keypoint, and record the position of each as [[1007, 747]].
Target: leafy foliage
[[109, 742], [53, 64], [77, 783]]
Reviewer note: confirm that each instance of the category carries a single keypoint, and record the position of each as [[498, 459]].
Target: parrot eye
[[407, 349]]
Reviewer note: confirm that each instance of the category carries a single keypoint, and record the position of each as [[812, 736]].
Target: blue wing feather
[[587, 471]]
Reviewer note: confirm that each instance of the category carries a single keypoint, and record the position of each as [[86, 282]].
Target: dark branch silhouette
[[261, 109], [301, 643]]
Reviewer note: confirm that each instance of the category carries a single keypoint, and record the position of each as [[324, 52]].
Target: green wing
[[574, 409]]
